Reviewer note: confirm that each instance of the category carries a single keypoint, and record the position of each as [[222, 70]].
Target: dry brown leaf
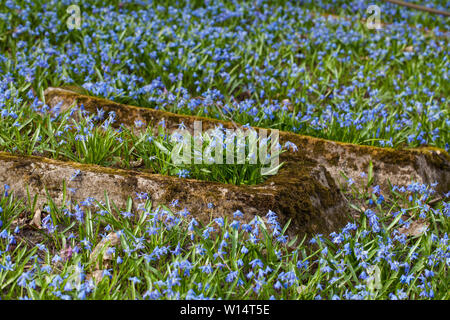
[[137, 163], [97, 276], [409, 49], [110, 240], [301, 289], [288, 104], [416, 228], [37, 219], [18, 222]]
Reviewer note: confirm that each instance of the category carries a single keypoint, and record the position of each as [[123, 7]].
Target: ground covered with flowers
[[310, 67], [396, 248], [267, 63]]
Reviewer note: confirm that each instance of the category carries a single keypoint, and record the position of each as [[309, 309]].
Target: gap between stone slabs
[[304, 190], [391, 166]]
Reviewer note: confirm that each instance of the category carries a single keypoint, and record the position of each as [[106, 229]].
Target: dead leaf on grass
[[416, 228], [110, 240], [37, 219], [409, 49], [301, 289], [97, 276], [137, 163]]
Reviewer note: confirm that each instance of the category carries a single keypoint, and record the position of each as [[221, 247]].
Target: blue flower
[[238, 214], [134, 280], [183, 173], [219, 221], [231, 276], [256, 262]]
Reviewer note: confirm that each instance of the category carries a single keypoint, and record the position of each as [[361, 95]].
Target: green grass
[[298, 71], [153, 149], [271, 64], [163, 253]]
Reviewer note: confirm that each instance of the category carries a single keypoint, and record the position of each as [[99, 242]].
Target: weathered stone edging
[[400, 167], [313, 201]]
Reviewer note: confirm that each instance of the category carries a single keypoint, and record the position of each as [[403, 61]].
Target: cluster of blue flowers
[[254, 259], [262, 63]]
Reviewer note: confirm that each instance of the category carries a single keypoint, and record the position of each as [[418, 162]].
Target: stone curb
[[398, 167], [313, 207]]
